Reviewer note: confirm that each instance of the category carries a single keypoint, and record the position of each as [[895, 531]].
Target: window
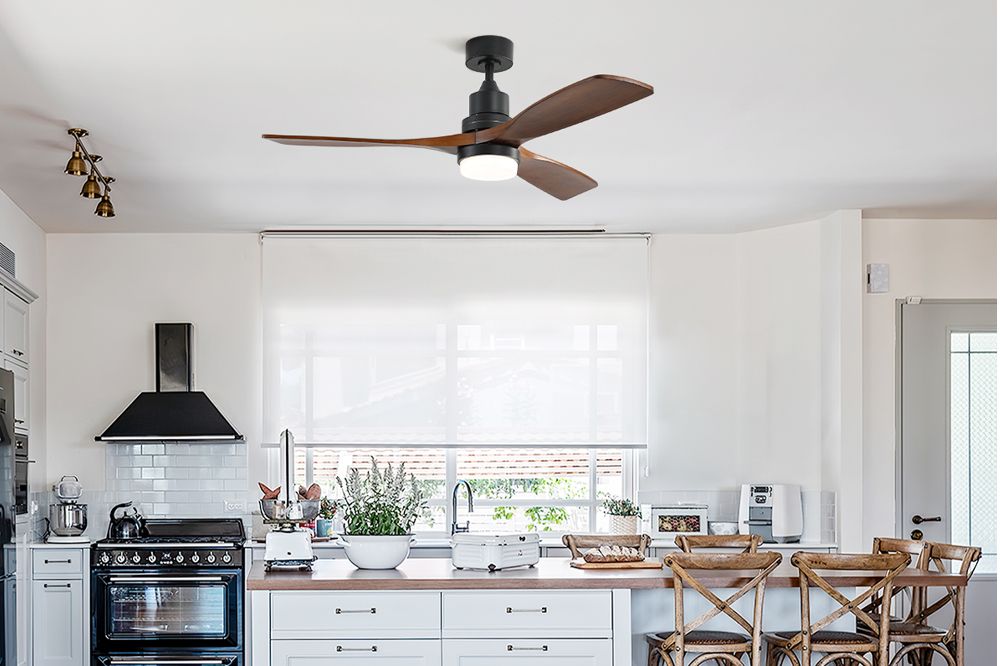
[[974, 443], [518, 364]]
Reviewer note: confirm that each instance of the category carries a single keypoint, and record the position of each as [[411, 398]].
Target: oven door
[[166, 609], [167, 660]]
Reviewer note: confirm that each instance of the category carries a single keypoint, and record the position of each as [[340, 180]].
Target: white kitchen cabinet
[[356, 653], [58, 607], [22, 589], [526, 614], [360, 615], [21, 394], [534, 652], [15, 327]]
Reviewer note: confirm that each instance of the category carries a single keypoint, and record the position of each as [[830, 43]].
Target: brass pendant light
[[77, 166]]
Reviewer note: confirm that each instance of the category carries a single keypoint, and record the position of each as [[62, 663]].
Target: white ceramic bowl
[[376, 552]]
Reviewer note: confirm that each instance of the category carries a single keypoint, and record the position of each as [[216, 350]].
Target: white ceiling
[[765, 112]]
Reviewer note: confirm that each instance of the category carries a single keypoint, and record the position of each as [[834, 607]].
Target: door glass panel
[[167, 611], [973, 412]]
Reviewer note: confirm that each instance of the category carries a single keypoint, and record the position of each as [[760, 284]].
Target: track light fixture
[[77, 166]]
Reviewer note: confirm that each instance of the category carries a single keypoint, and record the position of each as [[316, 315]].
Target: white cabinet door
[[536, 652], [57, 617], [356, 653], [22, 596], [20, 394], [15, 327]]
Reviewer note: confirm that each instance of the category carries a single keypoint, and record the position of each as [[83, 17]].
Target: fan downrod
[[489, 106]]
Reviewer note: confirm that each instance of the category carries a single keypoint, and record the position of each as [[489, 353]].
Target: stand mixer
[[67, 519], [288, 545]]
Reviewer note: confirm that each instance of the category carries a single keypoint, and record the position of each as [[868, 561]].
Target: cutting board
[[644, 564]]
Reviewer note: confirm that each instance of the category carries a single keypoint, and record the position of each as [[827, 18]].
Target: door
[[15, 327], [165, 610], [57, 618], [948, 424]]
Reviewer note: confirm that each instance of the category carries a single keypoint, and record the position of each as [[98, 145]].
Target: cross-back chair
[[722, 647], [842, 647], [919, 552], [918, 639], [747, 543], [577, 543]]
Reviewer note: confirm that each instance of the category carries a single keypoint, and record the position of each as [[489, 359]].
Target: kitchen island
[[426, 613]]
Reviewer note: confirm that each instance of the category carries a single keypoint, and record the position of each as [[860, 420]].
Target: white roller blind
[[456, 341]]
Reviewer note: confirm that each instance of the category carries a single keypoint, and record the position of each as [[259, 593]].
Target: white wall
[[27, 240], [106, 291], [928, 258]]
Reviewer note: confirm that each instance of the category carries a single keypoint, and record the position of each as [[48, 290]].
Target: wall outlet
[[234, 507]]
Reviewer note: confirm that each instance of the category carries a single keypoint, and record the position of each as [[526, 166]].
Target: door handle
[[917, 519]]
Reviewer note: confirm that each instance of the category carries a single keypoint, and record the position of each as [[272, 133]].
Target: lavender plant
[[382, 502]]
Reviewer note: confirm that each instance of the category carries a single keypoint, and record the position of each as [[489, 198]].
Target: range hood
[[173, 412]]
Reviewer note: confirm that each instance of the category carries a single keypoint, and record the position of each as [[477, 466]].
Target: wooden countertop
[[548, 574]]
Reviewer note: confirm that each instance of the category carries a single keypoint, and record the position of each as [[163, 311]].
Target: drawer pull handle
[[540, 648], [341, 648], [65, 585], [58, 561], [347, 611], [18, 352], [543, 609], [16, 421]]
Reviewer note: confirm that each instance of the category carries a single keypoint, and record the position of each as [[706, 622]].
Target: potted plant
[[624, 514], [327, 512], [379, 509]]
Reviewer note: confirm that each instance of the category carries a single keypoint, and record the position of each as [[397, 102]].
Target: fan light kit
[[490, 146], [77, 166]]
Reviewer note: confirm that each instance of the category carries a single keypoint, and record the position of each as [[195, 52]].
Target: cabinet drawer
[[355, 614], [57, 563], [541, 651], [527, 614], [369, 653]]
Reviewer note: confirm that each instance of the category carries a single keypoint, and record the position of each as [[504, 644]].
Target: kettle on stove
[[128, 525]]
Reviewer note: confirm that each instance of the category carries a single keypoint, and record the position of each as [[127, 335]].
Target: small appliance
[[494, 552], [670, 521], [288, 545], [771, 511], [125, 526], [67, 518]]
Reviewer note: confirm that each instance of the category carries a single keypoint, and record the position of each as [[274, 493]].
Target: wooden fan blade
[[573, 104], [555, 178], [447, 144]]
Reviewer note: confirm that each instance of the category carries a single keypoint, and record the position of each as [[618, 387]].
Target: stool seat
[[822, 636], [701, 637]]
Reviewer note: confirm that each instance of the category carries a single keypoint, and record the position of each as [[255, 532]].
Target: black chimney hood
[[173, 412]]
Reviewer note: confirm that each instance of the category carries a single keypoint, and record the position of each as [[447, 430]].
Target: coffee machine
[[771, 511]]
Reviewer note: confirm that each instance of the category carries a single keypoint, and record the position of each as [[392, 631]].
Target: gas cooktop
[[181, 542]]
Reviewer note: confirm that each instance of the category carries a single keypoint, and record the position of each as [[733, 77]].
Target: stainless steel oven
[[162, 609]]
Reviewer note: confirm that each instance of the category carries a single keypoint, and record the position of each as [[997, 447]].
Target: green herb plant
[[383, 502], [327, 508], [621, 507]]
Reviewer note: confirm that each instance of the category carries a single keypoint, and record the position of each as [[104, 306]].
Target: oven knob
[[120, 559], [136, 558], [211, 558], [227, 558], [151, 559], [179, 558], [195, 559], [105, 558]]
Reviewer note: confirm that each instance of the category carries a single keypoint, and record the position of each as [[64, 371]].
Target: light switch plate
[[878, 278]]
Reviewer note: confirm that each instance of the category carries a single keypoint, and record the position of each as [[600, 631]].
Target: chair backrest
[[941, 557], [886, 566], [747, 543], [577, 543], [919, 552], [684, 567]]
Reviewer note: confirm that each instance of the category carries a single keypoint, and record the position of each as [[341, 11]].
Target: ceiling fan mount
[[490, 146]]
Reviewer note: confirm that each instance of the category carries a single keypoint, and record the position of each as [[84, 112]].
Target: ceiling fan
[[490, 146]]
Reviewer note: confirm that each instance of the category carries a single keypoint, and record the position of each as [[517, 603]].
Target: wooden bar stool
[[919, 640], [577, 543], [838, 646], [747, 543], [919, 552], [722, 647]]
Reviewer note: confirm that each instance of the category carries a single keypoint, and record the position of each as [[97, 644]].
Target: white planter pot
[[376, 552], [624, 524]]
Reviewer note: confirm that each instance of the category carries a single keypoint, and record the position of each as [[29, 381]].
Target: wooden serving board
[[643, 564]]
